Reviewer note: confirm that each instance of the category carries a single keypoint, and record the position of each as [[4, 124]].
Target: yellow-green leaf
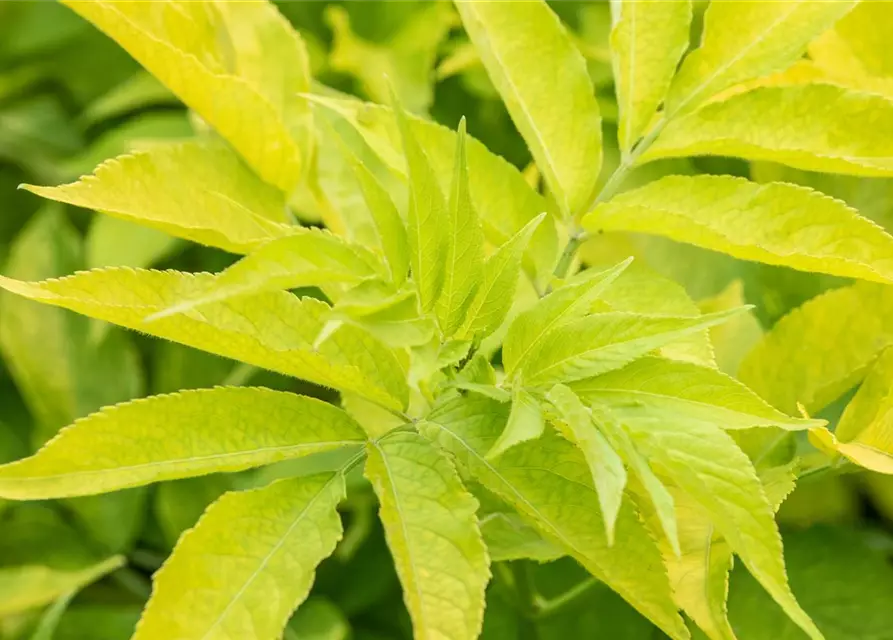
[[647, 41], [525, 423], [685, 390], [503, 199], [865, 431], [273, 330], [230, 429], [199, 191], [495, 296], [856, 52], [566, 303], [389, 226], [26, 587], [426, 217], [531, 59], [776, 223], [247, 564], [549, 483], [604, 341], [734, 339], [605, 465], [464, 252], [802, 360], [641, 289], [309, 257], [432, 532], [191, 48], [649, 485], [707, 465], [816, 127], [744, 40]]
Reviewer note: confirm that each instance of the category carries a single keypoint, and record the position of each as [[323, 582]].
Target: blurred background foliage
[[70, 98]]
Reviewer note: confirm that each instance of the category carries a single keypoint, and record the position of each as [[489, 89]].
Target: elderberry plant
[[502, 401]]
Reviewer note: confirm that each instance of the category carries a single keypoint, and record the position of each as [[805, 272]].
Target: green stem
[[606, 193], [547, 608]]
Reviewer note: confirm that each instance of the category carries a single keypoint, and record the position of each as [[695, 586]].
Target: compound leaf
[[605, 465], [744, 40], [564, 304], [687, 391], [247, 564], [431, 528], [647, 41], [388, 224], [604, 341], [464, 251], [426, 217], [495, 296], [865, 431], [816, 127], [706, 464], [525, 423], [504, 201], [230, 429], [217, 202], [273, 330], [522, 44], [549, 483], [776, 223], [800, 361], [308, 257], [244, 92]]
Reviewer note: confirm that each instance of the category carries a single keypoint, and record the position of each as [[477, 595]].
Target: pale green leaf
[[601, 342], [605, 465], [231, 428], [494, 298], [432, 532], [549, 483], [508, 537], [274, 330], [522, 45], [776, 223], [699, 574], [309, 257], [404, 59], [644, 481], [191, 48], [566, 303], [199, 191], [247, 564], [641, 289], [27, 587], [801, 360], [496, 393], [426, 217], [388, 225], [140, 90], [734, 339], [865, 431], [706, 464], [856, 52], [816, 127], [684, 390], [647, 41], [525, 423], [504, 201], [464, 252], [744, 40]]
